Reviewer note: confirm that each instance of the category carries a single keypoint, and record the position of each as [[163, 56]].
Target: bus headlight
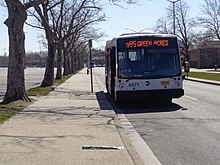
[[121, 86]]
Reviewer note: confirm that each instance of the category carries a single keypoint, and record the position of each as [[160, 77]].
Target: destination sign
[[147, 42]]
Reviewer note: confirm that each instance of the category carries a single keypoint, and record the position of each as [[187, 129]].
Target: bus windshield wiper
[[138, 75], [144, 73], [157, 76], [128, 80]]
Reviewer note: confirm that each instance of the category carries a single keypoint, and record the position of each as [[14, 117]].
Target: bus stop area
[[71, 125]]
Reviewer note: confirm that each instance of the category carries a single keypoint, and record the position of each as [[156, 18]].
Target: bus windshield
[[148, 62]]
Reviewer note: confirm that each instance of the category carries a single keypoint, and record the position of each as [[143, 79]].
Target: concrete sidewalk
[[53, 129]]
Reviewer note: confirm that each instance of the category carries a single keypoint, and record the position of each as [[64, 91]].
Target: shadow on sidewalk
[[103, 101]]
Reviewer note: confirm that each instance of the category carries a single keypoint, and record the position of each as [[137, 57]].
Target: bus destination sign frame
[[147, 42]]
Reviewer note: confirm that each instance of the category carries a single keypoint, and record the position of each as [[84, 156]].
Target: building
[[98, 57], [206, 56]]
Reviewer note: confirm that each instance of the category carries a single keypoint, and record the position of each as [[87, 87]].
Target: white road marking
[[191, 97]]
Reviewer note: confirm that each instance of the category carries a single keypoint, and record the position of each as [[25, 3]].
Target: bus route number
[[147, 43], [133, 85]]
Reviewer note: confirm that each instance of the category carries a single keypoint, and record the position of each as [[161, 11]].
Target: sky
[[119, 20]]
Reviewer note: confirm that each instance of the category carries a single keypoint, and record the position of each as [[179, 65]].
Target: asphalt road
[[33, 77], [185, 132]]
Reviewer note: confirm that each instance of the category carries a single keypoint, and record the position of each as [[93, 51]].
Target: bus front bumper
[[150, 94]]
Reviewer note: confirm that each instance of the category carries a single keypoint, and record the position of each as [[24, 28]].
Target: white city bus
[[143, 66]]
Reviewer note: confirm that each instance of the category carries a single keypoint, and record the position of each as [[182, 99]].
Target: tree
[[184, 26], [17, 15], [60, 19], [210, 19], [43, 12], [118, 2], [162, 25], [77, 17]]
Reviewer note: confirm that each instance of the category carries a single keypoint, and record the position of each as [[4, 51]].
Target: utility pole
[[90, 63], [174, 15]]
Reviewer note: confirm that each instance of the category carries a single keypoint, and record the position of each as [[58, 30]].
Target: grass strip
[[44, 91], [60, 81], [39, 91], [8, 110], [205, 75], [5, 116]]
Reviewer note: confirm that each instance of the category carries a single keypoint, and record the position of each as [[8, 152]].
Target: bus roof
[[112, 42], [127, 35]]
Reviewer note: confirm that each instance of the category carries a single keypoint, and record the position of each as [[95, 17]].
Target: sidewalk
[[212, 70], [53, 129]]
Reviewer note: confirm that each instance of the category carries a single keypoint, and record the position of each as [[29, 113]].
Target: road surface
[[185, 132]]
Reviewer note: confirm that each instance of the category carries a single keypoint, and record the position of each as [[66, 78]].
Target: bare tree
[[59, 20], [185, 26], [17, 15], [43, 13], [210, 19], [119, 2], [77, 17], [17, 12], [163, 25]]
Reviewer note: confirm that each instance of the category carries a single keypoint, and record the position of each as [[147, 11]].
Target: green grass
[[204, 75], [58, 82], [8, 110], [44, 91], [39, 91], [5, 116], [14, 106]]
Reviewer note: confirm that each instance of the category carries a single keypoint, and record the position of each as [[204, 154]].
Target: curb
[[203, 81], [136, 146]]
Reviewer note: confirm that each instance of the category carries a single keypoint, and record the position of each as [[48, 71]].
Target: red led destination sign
[[147, 43]]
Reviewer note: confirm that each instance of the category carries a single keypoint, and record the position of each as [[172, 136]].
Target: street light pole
[[174, 15], [90, 63]]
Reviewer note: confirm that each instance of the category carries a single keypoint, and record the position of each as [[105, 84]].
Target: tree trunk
[[72, 63], [15, 78], [49, 72], [66, 63], [59, 62], [72, 59]]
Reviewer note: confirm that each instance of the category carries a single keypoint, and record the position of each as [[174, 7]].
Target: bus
[[143, 66]]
